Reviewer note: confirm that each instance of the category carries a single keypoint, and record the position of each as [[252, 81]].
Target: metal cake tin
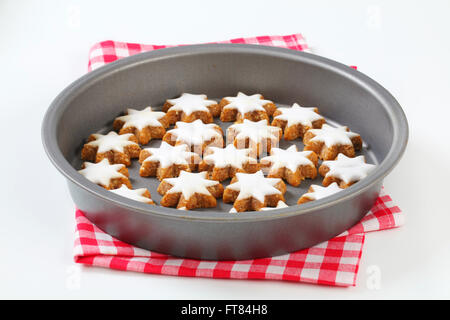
[[342, 94]]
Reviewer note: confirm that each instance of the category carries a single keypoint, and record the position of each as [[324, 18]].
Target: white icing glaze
[[280, 205], [168, 155], [140, 119], [290, 158], [190, 183], [320, 192], [195, 133], [189, 103], [136, 194], [229, 156], [333, 136], [244, 103], [254, 185], [255, 131], [111, 142], [102, 172], [348, 169], [298, 115]]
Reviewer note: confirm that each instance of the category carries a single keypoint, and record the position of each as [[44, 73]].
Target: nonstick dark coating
[[343, 96]]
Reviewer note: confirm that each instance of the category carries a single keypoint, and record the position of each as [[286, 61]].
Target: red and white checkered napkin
[[108, 51], [334, 262]]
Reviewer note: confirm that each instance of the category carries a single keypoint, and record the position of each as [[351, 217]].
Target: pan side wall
[[223, 240]]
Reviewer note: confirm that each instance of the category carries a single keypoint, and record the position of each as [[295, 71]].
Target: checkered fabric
[[105, 52], [334, 262]]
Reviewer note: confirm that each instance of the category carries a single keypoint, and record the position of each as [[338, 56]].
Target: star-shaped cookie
[[316, 192], [140, 195], [241, 107], [252, 191], [145, 124], [345, 171], [280, 205], [106, 175], [258, 136], [328, 142], [290, 164], [116, 148], [197, 135], [295, 121], [190, 190], [223, 163], [167, 161], [189, 107]]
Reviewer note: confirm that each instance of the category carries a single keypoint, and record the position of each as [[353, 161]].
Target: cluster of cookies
[[194, 158]]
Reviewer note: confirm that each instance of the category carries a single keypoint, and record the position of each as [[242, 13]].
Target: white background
[[404, 45]]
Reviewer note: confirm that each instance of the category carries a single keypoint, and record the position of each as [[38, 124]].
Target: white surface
[[44, 46]]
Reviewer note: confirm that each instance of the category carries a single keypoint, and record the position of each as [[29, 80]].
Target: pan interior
[[151, 183], [151, 78]]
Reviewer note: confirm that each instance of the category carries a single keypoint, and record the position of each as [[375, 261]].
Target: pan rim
[[391, 106]]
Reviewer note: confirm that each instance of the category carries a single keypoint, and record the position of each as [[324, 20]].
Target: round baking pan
[[342, 94]]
